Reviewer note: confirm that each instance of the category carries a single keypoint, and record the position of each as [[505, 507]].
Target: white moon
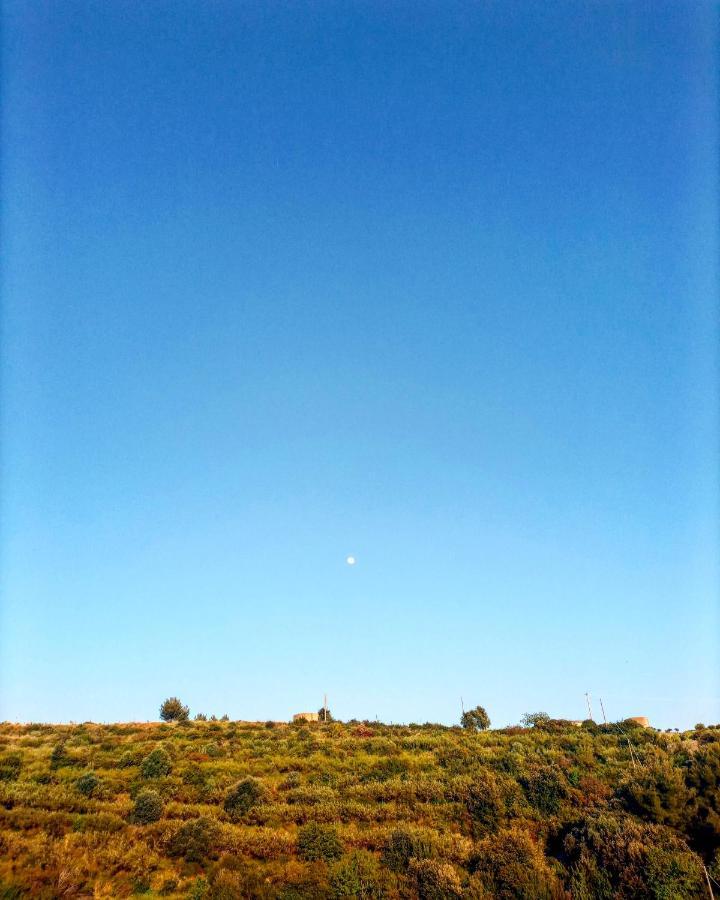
[[350, 560]]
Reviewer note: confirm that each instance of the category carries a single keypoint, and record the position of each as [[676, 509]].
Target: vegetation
[[215, 810], [475, 719], [172, 710]]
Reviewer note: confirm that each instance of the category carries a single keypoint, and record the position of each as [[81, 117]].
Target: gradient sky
[[429, 283]]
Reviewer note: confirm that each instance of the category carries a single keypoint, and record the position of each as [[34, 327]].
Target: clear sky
[[429, 283]]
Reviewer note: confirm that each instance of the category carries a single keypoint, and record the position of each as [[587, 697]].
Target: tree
[[475, 719], [148, 807], [324, 715], [172, 710], [532, 719]]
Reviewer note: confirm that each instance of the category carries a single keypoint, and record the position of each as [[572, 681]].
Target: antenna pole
[[325, 708], [603, 711], [587, 697]]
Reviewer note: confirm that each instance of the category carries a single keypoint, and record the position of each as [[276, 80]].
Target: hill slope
[[223, 810]]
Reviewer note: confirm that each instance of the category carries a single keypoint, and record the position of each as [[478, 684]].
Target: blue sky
[[432, 284]]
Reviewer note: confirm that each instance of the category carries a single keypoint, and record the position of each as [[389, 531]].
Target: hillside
[[224, 810]]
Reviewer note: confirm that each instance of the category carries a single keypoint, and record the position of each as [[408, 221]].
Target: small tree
[[532, 719], [157, 764], [172, 710], [475, 719], [324, 715]]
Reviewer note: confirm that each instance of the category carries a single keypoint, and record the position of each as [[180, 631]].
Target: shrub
[[510, 865], [246, 794], [195, 840], [357, 875], [59, 757], [172, 710], [402, 846], [87, 784], [148, 807], [324, 715], [435, 880], [10, 766], [200, 717], [544, 789], [156, 764], [317, 841], [475, 719], [484, 801]]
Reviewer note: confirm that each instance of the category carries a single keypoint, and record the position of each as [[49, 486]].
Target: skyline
[[433, 287]]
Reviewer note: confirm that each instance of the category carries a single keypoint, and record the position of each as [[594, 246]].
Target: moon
[[350, 560]]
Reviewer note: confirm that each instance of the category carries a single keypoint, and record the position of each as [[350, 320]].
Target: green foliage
[[172, 710], [404, 845], [546, 813], [148, 807], [88, 784], [10, 766], [530, 720], [475, 719], [316, 841], [324, 715], [156, 764], [240, 800], [544, 789], [357, 875], [435, 880], [195, 841]]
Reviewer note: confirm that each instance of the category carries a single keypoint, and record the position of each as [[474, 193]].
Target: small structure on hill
[[306, 717], [641, 720]]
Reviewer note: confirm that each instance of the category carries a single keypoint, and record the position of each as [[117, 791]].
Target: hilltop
[[220, 810]]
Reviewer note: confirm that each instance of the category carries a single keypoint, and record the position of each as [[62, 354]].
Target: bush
[[324, 715], [475, 719], [402, 846], [87, 784], [10, 766], [317, 841], [246, 794], [435, 880], [544, 789], [529, 720], [194, 841], [172, 710], [148, 807], [357, 875], [156, 764]]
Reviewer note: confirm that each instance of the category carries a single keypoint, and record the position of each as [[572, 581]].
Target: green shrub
[[148, 807], [87, 784], [240, 800], [317, 841], [544, 789], [403, 845], [10, 766], [195, 840], [156, 764], [357, 875]]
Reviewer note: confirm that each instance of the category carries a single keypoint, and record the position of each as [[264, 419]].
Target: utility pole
[[707, 878], [587, 697], [603, 711], [462, 706], [325, 708]]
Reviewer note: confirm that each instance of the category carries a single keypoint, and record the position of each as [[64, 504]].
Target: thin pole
[[587, 697], [325, 708], [707, 878], [603, 711]]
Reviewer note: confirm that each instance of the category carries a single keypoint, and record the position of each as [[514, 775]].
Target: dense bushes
[[316, 812]]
